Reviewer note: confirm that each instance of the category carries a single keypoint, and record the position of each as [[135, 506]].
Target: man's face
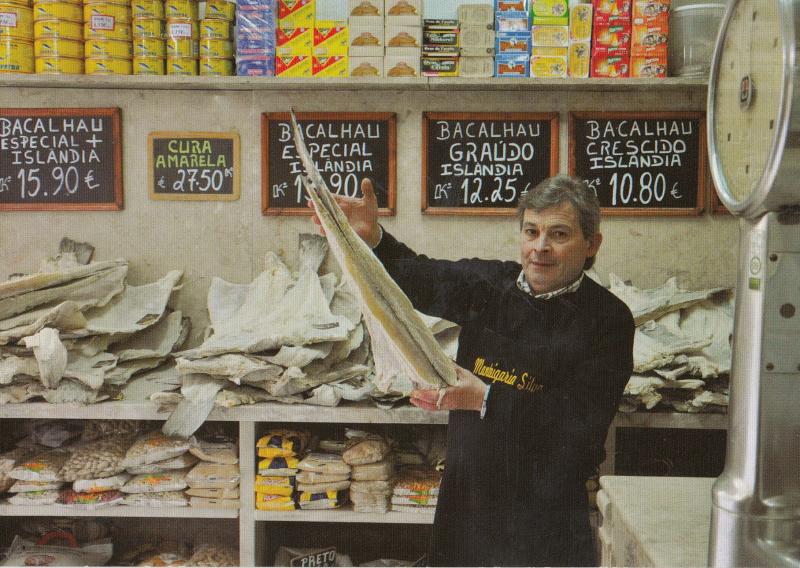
[[554, 248]]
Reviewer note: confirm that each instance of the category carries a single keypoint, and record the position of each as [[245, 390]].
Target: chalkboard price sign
[[346, 147], [651, 163], [202, 166], [481, 163], [55, 159]]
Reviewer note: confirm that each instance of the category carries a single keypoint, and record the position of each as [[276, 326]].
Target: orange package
[[611, 7], [611, 62], [658, 9], [611, 31], [650, 32], [649, 62]]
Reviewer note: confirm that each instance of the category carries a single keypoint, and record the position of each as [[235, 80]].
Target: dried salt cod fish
[[64, 316], [654, 346], [401, 342], [234, 367], [83, 251], [14, 366], [21, 391], [51, 355], [142, 387], [158, 340], [198, 393]]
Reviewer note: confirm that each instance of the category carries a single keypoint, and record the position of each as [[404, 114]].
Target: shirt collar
[[523, 285]]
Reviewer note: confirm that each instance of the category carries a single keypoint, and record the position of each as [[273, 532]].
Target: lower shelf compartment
[[116, 511], [346, 515]]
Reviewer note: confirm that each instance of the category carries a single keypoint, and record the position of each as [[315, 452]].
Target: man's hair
[[559, 189]]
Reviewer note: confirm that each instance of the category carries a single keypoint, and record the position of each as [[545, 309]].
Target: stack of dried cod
[[75, 332], [284, 337], [682, 349]]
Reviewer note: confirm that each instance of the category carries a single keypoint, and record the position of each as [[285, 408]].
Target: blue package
[[513, 42], [512, 65], [271, 5], [258, 67], [256, 45], [512, 21], [255, 19]]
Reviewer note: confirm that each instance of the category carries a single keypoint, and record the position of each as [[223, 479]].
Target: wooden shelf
[[345, 515], [117, 511]]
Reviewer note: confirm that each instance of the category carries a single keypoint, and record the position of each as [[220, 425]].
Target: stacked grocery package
[[149, 45], [256, 22], [108, 47], [276, 481], [214, 481], [513, 38], [294, 38], [416, 489], [367, 38], [216, 47], [550, 39], [403, 37], [371, 475], [329, 56], [16, 37], [183, 34], [611, 38], [650, 32], [323, 481], [58, 23], [476, 40], [440, 48], [580, 40]]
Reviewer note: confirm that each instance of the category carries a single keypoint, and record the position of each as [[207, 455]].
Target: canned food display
[[216, 48], [118, 12], [104, 27], [216, 67], [181, 48], [57, 47], [16, 56], [103, 48], [147, 27], [63, 65], [57, 11], [108, 66], [184, 66], [183, 28], [75, 2], [58, 29], [25, 3], [148, 66], [220, 9], [149, 47], [181, 9], [215, 29], [16, 21], [147, 9]]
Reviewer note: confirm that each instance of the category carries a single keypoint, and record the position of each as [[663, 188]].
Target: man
[[544, 355]]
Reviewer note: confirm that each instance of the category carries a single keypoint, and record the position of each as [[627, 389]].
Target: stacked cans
[[107, 32], [183, 34], [255, 37], [16, 37], [149, 45], [216, 47], [58, 40]]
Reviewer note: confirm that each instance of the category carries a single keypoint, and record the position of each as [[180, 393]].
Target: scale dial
[[749, 105]]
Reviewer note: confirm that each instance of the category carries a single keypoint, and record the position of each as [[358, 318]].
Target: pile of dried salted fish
[[681, 350], [76, 332], [288, 337]]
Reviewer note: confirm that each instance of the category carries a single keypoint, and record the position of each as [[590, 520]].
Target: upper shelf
[[140, 82]]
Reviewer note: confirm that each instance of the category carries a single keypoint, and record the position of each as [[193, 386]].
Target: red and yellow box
[[613, 62], [658, 9], [294, 41], [296, 13], [649, 62], [293, 66], [611, 7], [650, 32], [333, 66], [611, 31], [331, 38]]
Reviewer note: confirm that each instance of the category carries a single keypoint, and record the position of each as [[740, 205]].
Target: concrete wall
[[229, 239]]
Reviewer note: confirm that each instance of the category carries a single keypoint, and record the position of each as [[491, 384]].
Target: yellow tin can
[[64, 65], [16, 56], [58, 29], [177, 66], [183, 29], [149, 47], [108, 66], [147, 9], [105, 48], [148, 66], [218, 48], [24, 3], [181, 48], [115, 2], [215, 29], [220, 10], [215, 67], [57, 11], [57, 47], [181, 9], [148, 28], [118, 12], [105, 27], [16, 21], [74, 2]]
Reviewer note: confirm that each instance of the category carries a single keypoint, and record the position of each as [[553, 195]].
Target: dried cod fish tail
[[381, 294]]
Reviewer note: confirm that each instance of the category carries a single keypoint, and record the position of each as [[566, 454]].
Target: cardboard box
[[512, 65], [293, 66], [256, 67], [512, 21], [294, 41], [333, 66], [513, 42], [549, 52], [611, 7], [511, 5], [439, 65], [296, 13], [401, 65], [550, 36], [365, 66], [649, 32], [611, 31], [476, 67], [478, 52], [403, 36], [476, 14], [331, 38], [651, 9], [476, 36], [441, 50], [404, 12], [548, 66], [610, 62], [649, 62], [362, 8], [439, 37], [580, 22], [440, 24], [366, 41], [543, 21], [578, 59], [256, 21], [550, 8]]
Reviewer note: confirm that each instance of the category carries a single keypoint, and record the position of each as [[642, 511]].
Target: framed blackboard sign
[[60, 159], [202, 166], [641, 163], [480, 163], [347, 147]]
